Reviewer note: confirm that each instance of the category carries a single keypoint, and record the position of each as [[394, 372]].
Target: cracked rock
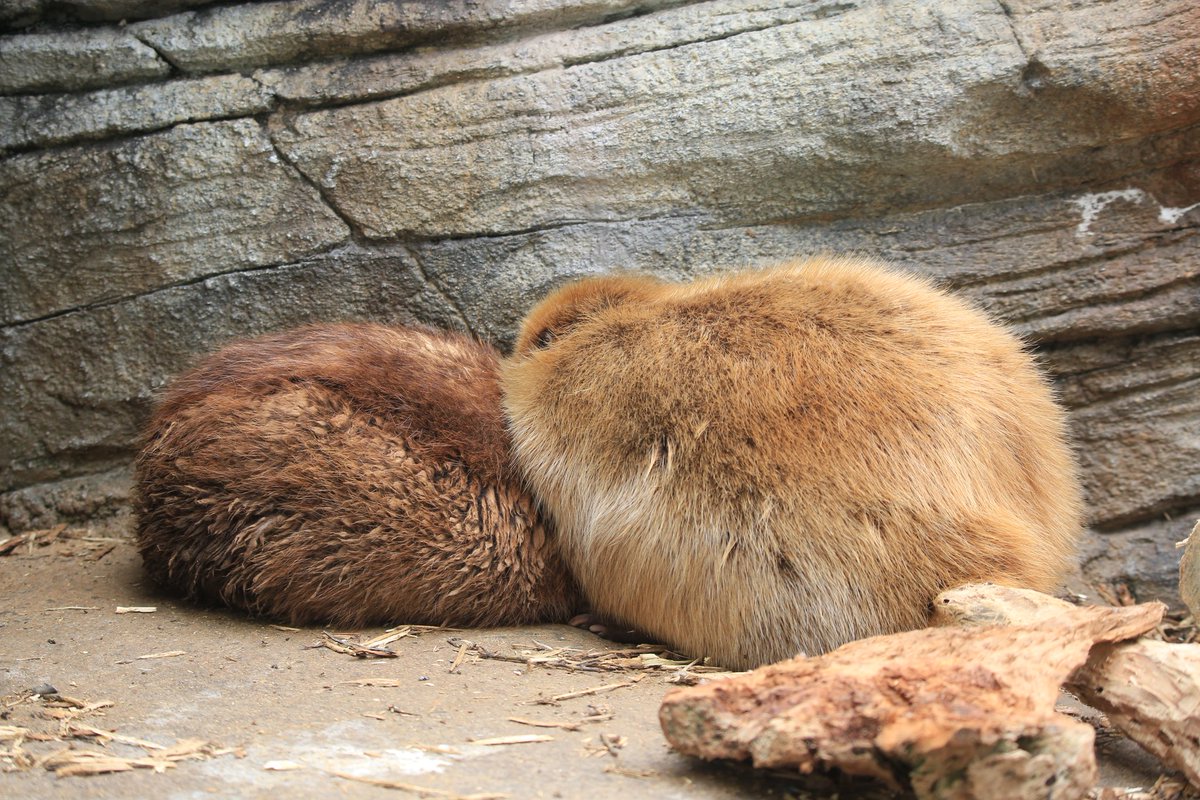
[[81, 226], [64, 62], [42, 120]]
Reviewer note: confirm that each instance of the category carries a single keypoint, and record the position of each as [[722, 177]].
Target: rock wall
[[177, 173]]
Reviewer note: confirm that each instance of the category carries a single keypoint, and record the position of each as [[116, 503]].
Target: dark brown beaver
[[350, 474]]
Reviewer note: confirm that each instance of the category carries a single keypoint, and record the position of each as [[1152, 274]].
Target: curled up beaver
[[346, 474], [782, 460]]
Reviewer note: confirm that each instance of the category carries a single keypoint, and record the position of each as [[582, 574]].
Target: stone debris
[[948, 712]]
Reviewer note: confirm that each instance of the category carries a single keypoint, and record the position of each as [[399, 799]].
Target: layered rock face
[[178, 173]]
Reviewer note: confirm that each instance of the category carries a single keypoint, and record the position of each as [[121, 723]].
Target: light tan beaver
[[783, 460], [350, 474]]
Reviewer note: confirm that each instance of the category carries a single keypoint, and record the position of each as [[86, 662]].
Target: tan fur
[[784, 460], [350, 474]]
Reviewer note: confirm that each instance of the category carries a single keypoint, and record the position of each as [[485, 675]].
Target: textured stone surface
[[1134, 416], [262, 34], [658, 133], [19, 13], [450, 162], [95, 501], [22, 13], [80, 226], [42, 120], [73, 61], [1023, 259], [391, 75], [1141, 556]]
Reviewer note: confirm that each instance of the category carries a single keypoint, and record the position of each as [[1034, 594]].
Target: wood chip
[[1189, 571], [617, 769], [287, 629], [521, 738], [136, 609], [424, 791], [81, 730], [389, 682], [609, 687], [567, 726], [11, 732], [612, 743], [41, 538], [187, 748], [168, 654], [643, 658], [73, 608], [71, 763], [389, 636], [347, 647], [458, 659]]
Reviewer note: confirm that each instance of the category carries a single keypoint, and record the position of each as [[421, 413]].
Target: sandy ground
[[271, 696]]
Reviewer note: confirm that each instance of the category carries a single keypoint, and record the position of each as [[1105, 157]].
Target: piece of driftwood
[[1150, 690], [1189, 572], [952, 713]]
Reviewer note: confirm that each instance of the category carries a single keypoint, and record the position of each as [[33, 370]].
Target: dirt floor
[[262, 711]]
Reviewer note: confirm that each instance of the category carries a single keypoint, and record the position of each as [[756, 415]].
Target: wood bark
[[947, 712], [1149, 689]]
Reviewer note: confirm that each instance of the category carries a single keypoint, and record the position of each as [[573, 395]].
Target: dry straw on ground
[[54, 719]]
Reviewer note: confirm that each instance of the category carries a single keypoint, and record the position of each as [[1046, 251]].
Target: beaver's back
[[348, 474], [789, 458]]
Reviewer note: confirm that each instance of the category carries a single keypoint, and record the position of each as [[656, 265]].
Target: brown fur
[[351, 474], [784, 460]]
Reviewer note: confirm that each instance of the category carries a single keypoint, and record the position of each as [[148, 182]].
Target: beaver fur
[[346, 474], [782, 460]]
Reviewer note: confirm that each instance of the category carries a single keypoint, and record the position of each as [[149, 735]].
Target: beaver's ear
[[561, 311]]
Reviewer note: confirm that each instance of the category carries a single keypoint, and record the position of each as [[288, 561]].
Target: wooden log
[[1189, 572], [946, 712], [1150, 690]]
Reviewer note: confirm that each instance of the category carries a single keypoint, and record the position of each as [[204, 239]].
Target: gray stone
[[399, 74], [15, 14], [22, 13], [66, 62], [780, 123], [264, 34], [1143, 557], [84, 381], [99, 502], [85, 225], [43, 120], [1024, 260], [1134, 411]]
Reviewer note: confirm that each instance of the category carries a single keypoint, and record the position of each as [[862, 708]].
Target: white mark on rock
[[1169, 216], [1090, 206]]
